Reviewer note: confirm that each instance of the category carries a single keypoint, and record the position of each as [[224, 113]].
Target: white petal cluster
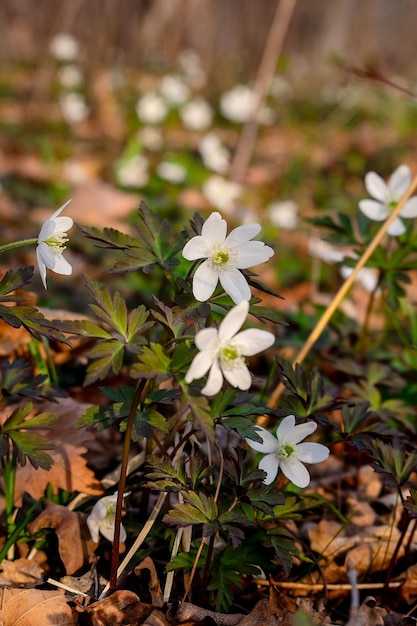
[[224, 257], [196, 114], [102, 519], [385, 197], [284, 451], [223, 351], [52, 241]]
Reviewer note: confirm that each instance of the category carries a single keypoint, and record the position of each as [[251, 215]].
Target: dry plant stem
[[266, 71], [139, 539], [122, 482], [323, 321]]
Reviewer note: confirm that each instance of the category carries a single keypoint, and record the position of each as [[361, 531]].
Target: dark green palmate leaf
[[28, 445], [18, 380]]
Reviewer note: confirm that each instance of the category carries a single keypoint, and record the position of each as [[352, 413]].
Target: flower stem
[[17, 244], [122, 482]]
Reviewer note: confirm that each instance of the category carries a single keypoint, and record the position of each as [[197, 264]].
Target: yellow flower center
[[286, 451], [57, 242], [222, 258]]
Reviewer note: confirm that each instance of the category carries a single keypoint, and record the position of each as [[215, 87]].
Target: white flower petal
[[207, 339], [397, 228], [233, 321], [59, 211], [41, 265], [242, 234], [252, 253], [196, 248], [285, 428], [61, 266], [214, 381], [205, 280], [269, 464], [296, 472], [410, 208], [214, 229], [238, 377], [254, 340], [399, 182], [301, 431], [199, 367], [374, 210], [93, 527], [310, 452], [62, 224], [45, 254], [269, 442], [376, 186], [235, 284]]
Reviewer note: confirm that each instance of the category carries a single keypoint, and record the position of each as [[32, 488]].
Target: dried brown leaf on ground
[[23, 573], [69, 471], [154, 585], [28, 607], [122, 607], [75, 545]]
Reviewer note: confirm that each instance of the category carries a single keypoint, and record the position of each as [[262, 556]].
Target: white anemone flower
[[196, 114], [224, 257], [223, 351], [221, 193], [386, 197], [52, 241], [102, 519], [284, 451], [151, 108]]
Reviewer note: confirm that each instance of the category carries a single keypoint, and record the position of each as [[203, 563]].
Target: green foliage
[[27, 445]]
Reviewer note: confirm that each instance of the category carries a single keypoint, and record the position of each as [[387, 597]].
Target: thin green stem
[[17, 244], [8, 464], [122, 482], [17, 531]]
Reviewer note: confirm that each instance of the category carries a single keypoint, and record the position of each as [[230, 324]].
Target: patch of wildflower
[[102, 519], [52, 241]]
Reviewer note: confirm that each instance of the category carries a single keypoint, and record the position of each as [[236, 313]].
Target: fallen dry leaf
[[75, 545], [69, 471], [122, 607], [154, 584], [35, 606], [21, 573]]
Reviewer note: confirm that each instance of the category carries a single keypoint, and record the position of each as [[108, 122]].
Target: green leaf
[[11, 281], [109, 238], [153, 361], [198, 509], [199, 409]]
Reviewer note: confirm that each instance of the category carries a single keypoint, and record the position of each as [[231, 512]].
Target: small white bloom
[[197, 114], [367, 276], [102, 519], [70, 76], [151, 138], [190, 64], [174, 90], [284, 214], [64, 47], [133, 172], [225, 256], [386, 197], [237, 104], [221, 193], [51, 244], [172, 172], [215, 155], [324, 250], [74, 107], [223, 351], [151, 108], [284, 451]]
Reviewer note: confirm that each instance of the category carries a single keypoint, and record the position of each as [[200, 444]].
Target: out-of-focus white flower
[[280, 87], [386, 197], [74, 107], [284, 214], [190, 63], [237, 104], [102, 519], [286, 452], [325, 251], [223, 351], [172, 172], [197, 114], [52, 241], [224, 257], [70, 76], [221, 193], [64, 47], [174, 90], [151, 138], [133, 172], [151, 108], [214, 154], [367, 276]]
